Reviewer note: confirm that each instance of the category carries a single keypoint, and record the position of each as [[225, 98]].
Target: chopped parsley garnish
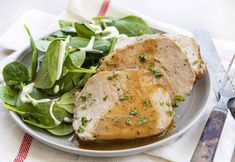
[[197, 61], [142, 120], [170, 112], [112, 76], [168, 104], [109, 63], [116, 103], [133, 112], [143, 58], [85, 96], [161, 103], [84, 121], [178, 99], [152, 66], [147, 102], [123, 98], [80, 130], [128, 122], [157, 73], [105, 98]]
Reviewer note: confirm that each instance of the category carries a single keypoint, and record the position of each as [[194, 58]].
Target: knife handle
[[207, 145]]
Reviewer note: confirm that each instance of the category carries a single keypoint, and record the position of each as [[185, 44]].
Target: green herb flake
[[123, 98], [128, 122], [108, 63], [197, 61], [85, 96], [80, 130], [157, 73], [142, 120], [152, 66], [178, 99], [170, 113], [105, 98], [112, 76], [116, 103], [143, 58], [84, 121], [147, 103], [133, 112], [168, 104], [162, 103]]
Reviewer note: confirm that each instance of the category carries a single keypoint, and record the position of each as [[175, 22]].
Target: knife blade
[[211, 58]]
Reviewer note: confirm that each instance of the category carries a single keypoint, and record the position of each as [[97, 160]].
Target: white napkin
[[40, 24]]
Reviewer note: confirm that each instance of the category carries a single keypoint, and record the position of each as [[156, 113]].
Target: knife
[[209, 139]]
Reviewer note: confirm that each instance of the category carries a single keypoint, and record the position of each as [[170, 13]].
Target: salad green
[[43, 94]]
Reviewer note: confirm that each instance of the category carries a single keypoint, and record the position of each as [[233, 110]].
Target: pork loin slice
[[192, 50], [188, 44], [122, 105], [161, 52]]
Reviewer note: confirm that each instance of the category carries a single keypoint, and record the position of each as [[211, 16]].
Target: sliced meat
[[124, 41], [192, 50], [122, 105], [188, 44], [158, 54]]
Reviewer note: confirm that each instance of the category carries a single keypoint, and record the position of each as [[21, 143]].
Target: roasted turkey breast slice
[[188, 45], [122, 105], [161, 52]]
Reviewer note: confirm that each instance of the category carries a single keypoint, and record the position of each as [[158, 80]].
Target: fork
[[207, 145]]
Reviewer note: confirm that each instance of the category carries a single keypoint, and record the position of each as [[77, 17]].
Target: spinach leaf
[[68, 107], [42, 44], [42, 80], [68, 29], [34, 63], [48, 70], [61, 130], [39, 115], [84, 78], [64, 23], [15, 73], [65, 83], [68, 97], [83, 30], [114, 41], [75, 59], [130, 25], [38, 94], [58, 34], [81, 70], [9, 95], [67, 100], [99, 44]]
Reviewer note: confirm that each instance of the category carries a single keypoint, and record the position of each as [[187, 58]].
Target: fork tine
[[231, 86], [227, 81]]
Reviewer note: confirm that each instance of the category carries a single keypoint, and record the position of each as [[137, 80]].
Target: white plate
[[187, 114]]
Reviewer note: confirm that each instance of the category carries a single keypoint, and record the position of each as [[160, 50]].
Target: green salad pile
[[43, 94]]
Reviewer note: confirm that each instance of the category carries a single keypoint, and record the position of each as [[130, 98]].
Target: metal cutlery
[[224, 91]]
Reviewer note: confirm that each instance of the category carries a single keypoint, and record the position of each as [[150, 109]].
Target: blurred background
[[217, 16]]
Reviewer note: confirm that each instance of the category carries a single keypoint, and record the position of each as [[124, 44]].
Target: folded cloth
[[24, 148]]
